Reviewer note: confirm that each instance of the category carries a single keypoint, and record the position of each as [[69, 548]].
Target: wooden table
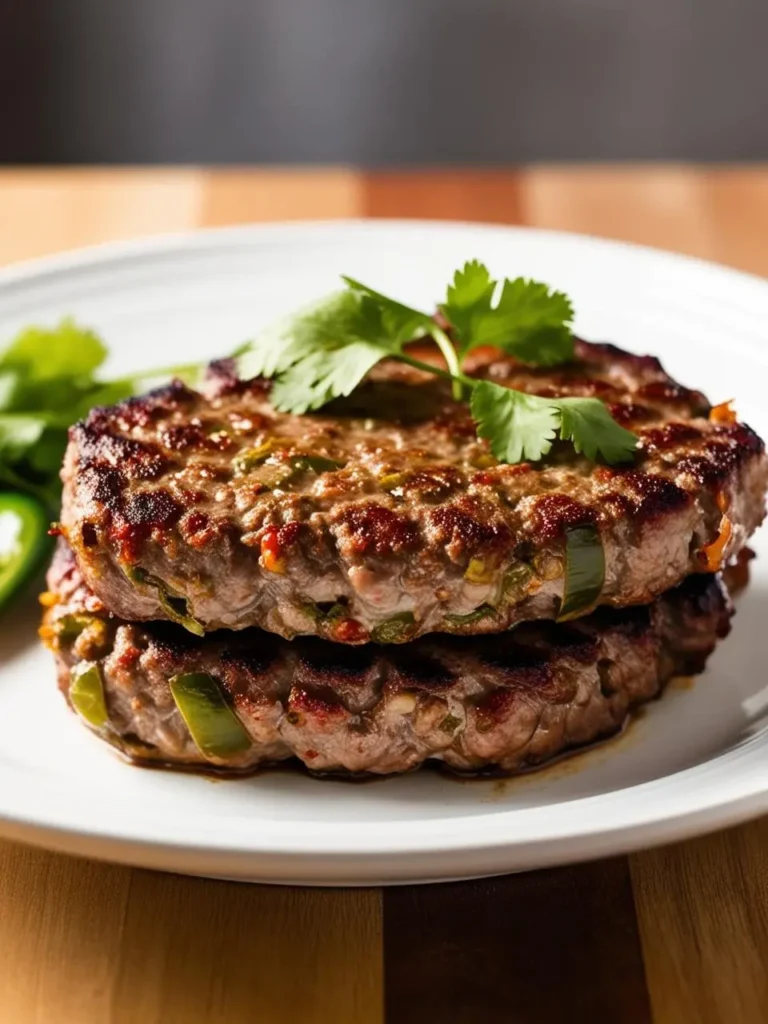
[[673, 935]]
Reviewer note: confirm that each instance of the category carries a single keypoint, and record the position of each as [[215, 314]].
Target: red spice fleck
[[274, 541], [288, 533], [271, 550], [349, 631], [129, 657]]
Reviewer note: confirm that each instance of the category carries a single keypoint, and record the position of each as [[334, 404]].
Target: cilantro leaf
[[469, 297], [46, 383], [401, 323], [522, 427], [321, 353], [45, 354], [326, 349], [528, 320], [519, 427], [323, 376], [587, 423]]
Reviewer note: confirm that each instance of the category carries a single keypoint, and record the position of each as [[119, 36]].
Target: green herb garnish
[[325, 350], [47, 382]]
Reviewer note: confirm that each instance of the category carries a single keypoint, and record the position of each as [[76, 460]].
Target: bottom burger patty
[[508, 701]]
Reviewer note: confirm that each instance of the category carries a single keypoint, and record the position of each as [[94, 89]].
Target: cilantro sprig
[[325, 350], [48, 380]]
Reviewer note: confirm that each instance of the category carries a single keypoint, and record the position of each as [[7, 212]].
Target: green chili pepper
[[516, 577], [212, 723], [250, 458], [395, 630], [314, 463], [86, 692], [481, 612], [584, 572], [23, 540], [69, 627], [174, 606]]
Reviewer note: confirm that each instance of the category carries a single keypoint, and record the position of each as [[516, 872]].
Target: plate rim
[[612, 837]]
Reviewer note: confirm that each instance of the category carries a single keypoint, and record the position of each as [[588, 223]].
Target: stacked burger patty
[[367, 587]]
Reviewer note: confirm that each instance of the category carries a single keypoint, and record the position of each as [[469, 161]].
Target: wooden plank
[[737, 200], [703, 916], [240, 196], [59, 936], [660, 206], [226, 953], [542, 947], [451, 194], [45, 211]]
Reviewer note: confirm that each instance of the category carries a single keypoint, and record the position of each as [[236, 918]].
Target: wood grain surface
[[672, 935]]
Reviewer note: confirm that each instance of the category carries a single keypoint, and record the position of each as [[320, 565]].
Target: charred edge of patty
[[458, 699]]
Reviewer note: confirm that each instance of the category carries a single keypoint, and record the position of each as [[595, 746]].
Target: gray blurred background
[[379, 82]]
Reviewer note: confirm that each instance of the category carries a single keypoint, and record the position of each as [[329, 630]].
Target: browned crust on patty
[[418, 517], [506, 702]]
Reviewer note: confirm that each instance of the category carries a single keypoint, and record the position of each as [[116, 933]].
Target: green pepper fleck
[[69, 627], [250, 458], [584, 571], [86, 692], [483, 611], [450, 723], [516, 577], [395, 630], [212, 723], [326, 611], [315, 464], [174, 606]]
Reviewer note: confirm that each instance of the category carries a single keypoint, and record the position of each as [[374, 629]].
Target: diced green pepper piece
[[212, 723], [174, 606], [516, 577], [584, 572], [86, 692], [315, 464], [250, 458], [395, 630], [483, 611], [69, 627]]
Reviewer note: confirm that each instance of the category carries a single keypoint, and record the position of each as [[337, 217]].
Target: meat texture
[[507, 702], [383, 517]]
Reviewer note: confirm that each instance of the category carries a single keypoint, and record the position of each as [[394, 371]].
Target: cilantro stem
[[457, 378], [451, 357]]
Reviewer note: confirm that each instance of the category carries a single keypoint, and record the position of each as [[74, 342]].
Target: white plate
[[696, 760]]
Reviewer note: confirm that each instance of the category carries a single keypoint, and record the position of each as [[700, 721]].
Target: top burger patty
[[383, 517]]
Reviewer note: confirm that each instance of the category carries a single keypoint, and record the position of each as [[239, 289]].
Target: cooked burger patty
[[507, 702], [384, 517]]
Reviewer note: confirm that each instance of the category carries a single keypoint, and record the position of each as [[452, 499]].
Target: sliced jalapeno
[[23, 540], [315, 464], [212, 723], [174, 606], [86, 692], [69, 627], [250, 458], [584, 571]]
